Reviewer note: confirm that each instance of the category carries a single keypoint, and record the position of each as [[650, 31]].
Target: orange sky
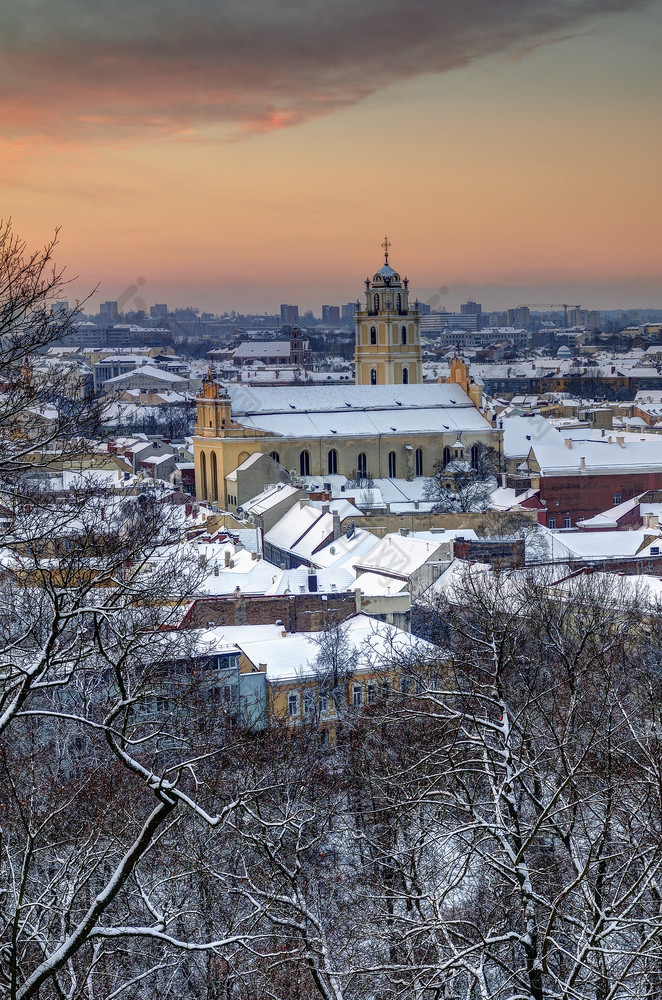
[[249, 153]]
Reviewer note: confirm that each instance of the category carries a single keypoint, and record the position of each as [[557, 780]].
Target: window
[[405, 376], [551, 522], [293, 704], [419, 461], [566, 521], [373, 376], [375, 301], [392, 465], [372, 693], [403, 335], [616, 499], [308, 703], [214, 477], [203, 472], [405, 685], [474, 456], [324, 701], [357, 696], [447, 455], [362, 466], [275, 456], [580, 519], [373, 335], [398, 306], [304, 463], [332, 463]]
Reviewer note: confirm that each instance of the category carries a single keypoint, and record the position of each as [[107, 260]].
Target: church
[[389, 424]]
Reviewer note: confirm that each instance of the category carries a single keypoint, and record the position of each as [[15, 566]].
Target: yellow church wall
[[231, 452]]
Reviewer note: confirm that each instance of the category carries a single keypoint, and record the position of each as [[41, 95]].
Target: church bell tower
[[388, 340]]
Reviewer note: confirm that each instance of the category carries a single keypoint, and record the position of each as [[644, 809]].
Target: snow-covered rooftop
[[348, 410]]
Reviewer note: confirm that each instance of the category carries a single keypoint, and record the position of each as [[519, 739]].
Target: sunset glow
[[241, 155]]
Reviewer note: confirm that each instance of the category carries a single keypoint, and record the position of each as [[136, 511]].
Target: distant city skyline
[[492, 298], [243, 155]]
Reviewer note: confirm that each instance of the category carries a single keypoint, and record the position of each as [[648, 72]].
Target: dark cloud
[[166, 65]]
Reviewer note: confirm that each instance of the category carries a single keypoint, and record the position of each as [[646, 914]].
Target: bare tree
[[485, 460], [524, 849], [458, 487], [105, 742], [43, 410]]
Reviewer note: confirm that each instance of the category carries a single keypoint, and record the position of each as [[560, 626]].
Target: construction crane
[[551, 305]]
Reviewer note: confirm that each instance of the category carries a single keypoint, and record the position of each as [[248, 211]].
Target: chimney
[[582, 464], [620, 441], [568, 443], [336, 525], [253, 556], [325, 508], [504, 480], [227, 557]]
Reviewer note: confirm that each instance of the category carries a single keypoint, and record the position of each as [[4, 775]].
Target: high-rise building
[[289, 315], [330, 314], [435, 322], [347, 311], [520, 316], [472, 308], [158, 311], [108, 312], [388, 342]]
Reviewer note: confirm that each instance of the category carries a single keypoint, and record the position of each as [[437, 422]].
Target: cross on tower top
[[386, 246]]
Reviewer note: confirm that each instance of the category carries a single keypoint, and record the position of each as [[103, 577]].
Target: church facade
[[389, 424]]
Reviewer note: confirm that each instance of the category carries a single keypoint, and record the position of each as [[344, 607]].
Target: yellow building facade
[[388, 340], [362, 433]]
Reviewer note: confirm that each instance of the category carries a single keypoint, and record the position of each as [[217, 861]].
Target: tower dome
[[388, 344]]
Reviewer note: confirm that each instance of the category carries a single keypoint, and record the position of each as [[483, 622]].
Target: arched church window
[[405, 376], [275, 456], [362, 466], [304, 463], [403, 335], [398, 303], [373, 335], [375, 300], [214, 477], [373, 376], [203, 473], [474, 455], [332, 464], [447, 455], [392, 465], [419, 461]]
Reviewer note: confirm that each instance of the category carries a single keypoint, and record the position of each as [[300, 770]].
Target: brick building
[[579, 479]]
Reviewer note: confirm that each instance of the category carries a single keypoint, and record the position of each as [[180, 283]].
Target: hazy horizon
[[241, 155]]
